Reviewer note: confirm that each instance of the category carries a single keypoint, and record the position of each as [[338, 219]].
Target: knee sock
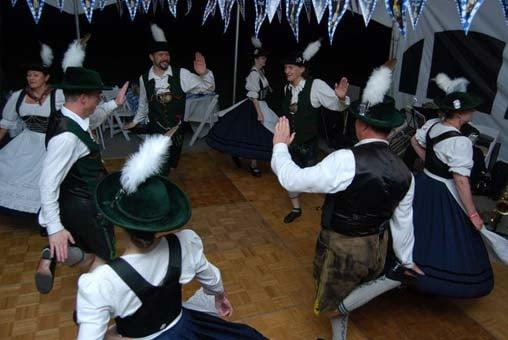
[[366, 292], [339, 327]]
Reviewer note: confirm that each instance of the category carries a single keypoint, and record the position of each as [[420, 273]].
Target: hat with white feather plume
[[159, 41], [75, 54], [456, 99], [138, 198], [44, 64], [259, 51], [301, 58], [376, 108]]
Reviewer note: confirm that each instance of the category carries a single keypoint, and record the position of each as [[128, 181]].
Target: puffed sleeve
[[93, 306], [252, 85], [59, 99], [9, 114], [459, 155], [421, 133], [195, 263]]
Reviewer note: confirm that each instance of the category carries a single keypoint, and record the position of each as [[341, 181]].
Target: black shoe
[[254, 171], [294, 214], [237, 161], [43, 279]]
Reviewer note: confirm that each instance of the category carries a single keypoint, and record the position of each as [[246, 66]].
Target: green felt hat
[[383, 115], [458, 102], [81, 79]]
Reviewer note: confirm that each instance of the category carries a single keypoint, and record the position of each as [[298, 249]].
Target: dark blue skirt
[[196, 325], [447, 247], [239, 133]]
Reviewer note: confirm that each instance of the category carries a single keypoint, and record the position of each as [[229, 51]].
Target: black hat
[[301, 58], [259, 51], [456, 98], [159, 42], [42, 64]]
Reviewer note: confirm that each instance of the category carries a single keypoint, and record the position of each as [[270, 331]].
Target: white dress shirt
[[320, 95], [63, 151], [190, 83], [103, 295], [335, 173]]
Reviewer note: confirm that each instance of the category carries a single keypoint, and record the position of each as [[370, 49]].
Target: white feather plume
[[145, 163], [256, 42], [46, 55], [451, 85], [311, 50], [74, 56], [377, 86], [157, 33]]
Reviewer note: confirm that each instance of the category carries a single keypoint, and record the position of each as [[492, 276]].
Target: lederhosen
[[351, 247], [432, 163], [78, 212], [37, 123], [161, 305], [166, 111], [304, 121]]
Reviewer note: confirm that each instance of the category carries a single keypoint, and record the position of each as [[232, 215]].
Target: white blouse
[[320, 95], [102, 295], [456, 152], [252, 83]]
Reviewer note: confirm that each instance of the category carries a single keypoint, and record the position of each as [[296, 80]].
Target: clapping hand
[[120, 98], [282, 132], [200, 64], [341, 88]]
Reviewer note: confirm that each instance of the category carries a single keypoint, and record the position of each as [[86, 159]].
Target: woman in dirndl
[[246, 128], [448, 246]]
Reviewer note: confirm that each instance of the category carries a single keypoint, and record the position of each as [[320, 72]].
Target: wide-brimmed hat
[[138, 198], [376, 108], [384, 114], [81, 79], [301, 58], [456, 98]]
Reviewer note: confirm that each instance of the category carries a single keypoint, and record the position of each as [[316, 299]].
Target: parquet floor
[[266, 266]]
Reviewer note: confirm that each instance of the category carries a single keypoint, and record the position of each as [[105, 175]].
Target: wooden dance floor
[[266, 266]]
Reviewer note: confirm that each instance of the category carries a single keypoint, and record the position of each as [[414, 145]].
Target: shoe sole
[[43, 282]]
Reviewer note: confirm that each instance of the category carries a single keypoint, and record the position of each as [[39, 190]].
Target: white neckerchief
[[295, 90]]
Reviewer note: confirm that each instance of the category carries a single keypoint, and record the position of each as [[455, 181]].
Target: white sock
[[339, 327], [366, 292]]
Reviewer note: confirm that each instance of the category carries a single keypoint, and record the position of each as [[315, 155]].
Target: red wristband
[[475, 214]]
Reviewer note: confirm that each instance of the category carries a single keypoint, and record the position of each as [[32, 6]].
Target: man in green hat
[[142, 288], [162, 92], [70, 172], [369, 189]]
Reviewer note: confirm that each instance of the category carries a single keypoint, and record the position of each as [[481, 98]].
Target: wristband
[[475, 214]]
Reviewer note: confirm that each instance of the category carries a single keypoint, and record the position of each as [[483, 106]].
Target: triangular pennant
[[189, 6], [504, 4], [173, 6], [308, 9], [209, 9], [397, 11], [336, 10], [132, 7], [225, 7], [36, 7], [102, 4], [13, 2], [241, 3], [467, 11], [415, 10], [271, 8], [293, 9], [260, 6], [88, 6], [367, 7], [319, 8], [146, 5], [61, 4]]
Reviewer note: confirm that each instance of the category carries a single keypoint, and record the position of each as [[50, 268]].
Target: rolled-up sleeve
[[252, 85]]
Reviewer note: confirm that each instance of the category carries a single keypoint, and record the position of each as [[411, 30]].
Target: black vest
[[164, 116], [160, 304], [381, 181], [37, 123], [85, 174], [432, 163], [305, 121]]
